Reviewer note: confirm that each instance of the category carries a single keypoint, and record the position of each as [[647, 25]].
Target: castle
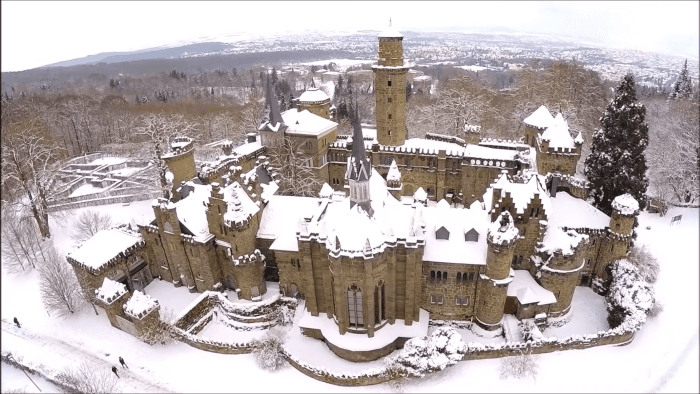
[[403, 230]]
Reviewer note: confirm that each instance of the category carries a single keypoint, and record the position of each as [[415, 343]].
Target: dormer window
[[471, 236], [442, 233]]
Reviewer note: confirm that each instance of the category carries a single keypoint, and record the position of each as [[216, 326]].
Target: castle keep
[[403, 230]]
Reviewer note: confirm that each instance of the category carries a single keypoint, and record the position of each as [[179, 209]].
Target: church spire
[[359, 170]]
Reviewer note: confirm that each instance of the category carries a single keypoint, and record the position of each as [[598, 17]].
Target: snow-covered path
[[38, 351]]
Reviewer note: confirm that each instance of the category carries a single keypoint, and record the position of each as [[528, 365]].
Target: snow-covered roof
[[280, 219], [140, 304], [572, 212], [393, 174], [104, 246], [247, 148], [306, 123], [326, 191], [523, 193], [558, 240], [110, 291], [434, 146], [390, 222], [557, 133], [484, 152], [240, 206], [191, 210], [625, 204], [313, 95], [541, 118], [390, 33], [457, 222], [528, 291]]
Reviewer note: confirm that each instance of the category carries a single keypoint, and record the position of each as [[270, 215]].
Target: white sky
[[39, 33]]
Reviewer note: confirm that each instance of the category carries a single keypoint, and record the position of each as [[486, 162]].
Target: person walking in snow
[[121, 360], [114, 369], [17, 323]]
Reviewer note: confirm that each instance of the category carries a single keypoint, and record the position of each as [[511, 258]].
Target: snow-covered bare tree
[[460, 101], [521, 366], [160, 130], [86, 378], [60, 291], [89, 222], [268, 349], [22, 246], [630, 297], [292, 168], [29, 165]]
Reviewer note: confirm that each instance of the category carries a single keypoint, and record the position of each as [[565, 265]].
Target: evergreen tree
[[685, 90], [274, 75], [292, 103], [616, 164], [283, 104]]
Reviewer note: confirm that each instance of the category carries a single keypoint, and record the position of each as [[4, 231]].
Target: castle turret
[[359, 170], [316, 102], [493, 285], [390, 89], [180, 162], [472, 134]]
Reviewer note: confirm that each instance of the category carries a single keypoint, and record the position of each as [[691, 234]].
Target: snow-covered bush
[[527, 329], [86, 378], [285, 315], [268, 349], [629, 297], [656, 309], [645, 262], [421, 355], [519, 366]]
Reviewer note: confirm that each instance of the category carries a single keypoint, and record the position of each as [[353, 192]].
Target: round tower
[[316, 102], [624, 209], [180, 162], [493, 288], [390, 89]]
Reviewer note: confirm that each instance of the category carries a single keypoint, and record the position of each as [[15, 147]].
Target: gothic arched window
[[379, 314], [355, 317]]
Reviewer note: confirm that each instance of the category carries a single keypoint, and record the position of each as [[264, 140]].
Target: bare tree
[[291, 167], [161, 129], [29, 164], [520, 366], [87, 378], [460, 102], [22, 247], [60, 291], [89, 223], [646, 263]]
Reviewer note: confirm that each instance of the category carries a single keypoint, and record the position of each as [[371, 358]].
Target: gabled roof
[[540, 118]]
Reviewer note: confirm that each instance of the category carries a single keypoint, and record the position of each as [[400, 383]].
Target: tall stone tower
[[390, 89], [493, 288]]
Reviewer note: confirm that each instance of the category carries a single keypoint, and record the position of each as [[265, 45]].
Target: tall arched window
[[355, 316], [379, 314]]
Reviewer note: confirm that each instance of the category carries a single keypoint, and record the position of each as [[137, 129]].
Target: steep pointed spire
[[360, 165], [313, 84], [275, 116]]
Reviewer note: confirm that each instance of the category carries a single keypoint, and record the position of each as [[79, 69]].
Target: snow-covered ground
[[663, 356], [87, 188]]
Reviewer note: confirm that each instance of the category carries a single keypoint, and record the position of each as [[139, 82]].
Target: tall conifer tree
[[616, 164]]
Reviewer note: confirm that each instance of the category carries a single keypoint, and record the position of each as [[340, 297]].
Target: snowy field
[[85, 189], [340, 62], [662, 358]]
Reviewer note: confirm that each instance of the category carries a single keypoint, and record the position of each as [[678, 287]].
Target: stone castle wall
[[449, 290]]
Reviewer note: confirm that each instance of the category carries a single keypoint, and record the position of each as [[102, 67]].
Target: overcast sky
[[39, 33]]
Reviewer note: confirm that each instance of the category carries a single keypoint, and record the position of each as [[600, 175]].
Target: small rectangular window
[[389, 83], [388, 100]]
